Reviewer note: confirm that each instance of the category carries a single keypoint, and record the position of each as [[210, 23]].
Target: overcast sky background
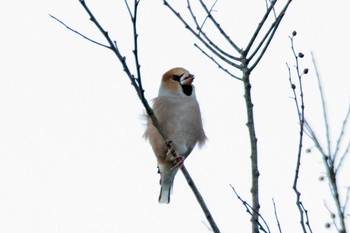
[[72, 156]]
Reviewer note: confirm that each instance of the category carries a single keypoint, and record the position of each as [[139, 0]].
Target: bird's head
[[177, 81]]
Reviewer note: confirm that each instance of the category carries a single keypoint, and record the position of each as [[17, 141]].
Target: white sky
[[72, 158]]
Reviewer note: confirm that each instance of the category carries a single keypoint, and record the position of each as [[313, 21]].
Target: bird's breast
[[180, 119]]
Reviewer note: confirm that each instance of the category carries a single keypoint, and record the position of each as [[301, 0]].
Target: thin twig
[[312, 135], [201, 32], [274, 25], [207, 226], [260, 25], [347, 197], [217, 25], [200, 200], [342, 158], [341, 135], [262, 41], [332, 215], [211, 10], [276, 216], [307, 218], [217, 63], [188, 27], [301, 116], [80, 34], [133, 18], [325, 115], [114, 47], [329, 157], [129, 10], [293, 86], [267, 7], [251, 210]]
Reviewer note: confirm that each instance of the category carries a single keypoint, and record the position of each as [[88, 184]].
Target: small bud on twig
[[293, 86], [294, 33], [306, 70], [301, 55]]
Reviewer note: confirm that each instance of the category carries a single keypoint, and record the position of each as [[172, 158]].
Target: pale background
[[72, 156]]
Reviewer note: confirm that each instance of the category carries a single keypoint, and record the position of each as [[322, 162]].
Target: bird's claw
[[178, 161], [171, 153], [171, 156]]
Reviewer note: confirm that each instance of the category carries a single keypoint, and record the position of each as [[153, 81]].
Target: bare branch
[[347, 197], [301, 116], [217, 63], [312, 135], [276, 216], [251, 210], [332, 215], [80, 34], [262, 42], [260, 25], [217, 25], [267, 7], [201, 32], [253, 147], [97, 24], [329, 158], [325, 117], [211, 9], [342, 158], [273, 27], [341, 136], [115, 49], [128, 7], [307, 217], [200, 200], [188, 27], [133, 18], [292, 85]]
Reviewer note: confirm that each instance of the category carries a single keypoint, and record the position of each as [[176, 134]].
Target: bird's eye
[[176, 77]]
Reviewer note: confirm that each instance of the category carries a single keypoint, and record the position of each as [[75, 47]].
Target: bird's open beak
[[186, 79]]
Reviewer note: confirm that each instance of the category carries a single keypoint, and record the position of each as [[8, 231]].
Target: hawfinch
[[178, 112]]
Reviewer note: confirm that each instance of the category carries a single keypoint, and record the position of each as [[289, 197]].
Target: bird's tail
[[166, 182]]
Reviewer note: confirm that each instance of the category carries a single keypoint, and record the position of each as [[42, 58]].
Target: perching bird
[[178, 112]]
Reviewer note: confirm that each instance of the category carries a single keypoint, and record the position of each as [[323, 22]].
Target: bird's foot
[[179, 162], [171, 156], [171, 153]]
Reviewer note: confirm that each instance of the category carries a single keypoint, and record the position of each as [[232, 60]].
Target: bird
[[179, 115]]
